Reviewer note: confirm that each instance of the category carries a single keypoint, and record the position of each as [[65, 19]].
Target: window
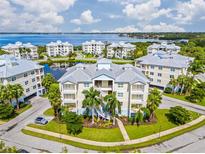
[[151, 79], [86, 84], [159, 81], [33, 80], [137, 97], [159, 74], [172, 69], [34, 87], [120, 94], [152, 67], [25, 75], [27, 90], [13, 78], [26, 82], [151, 73], [120, 85], [32, 72], [171, 76], [160, 67]]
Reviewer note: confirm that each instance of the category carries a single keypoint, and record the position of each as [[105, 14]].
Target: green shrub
[[6, 111], [168, 90], [179, 115]]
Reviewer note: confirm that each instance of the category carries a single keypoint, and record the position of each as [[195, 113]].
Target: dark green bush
[[179, 115], [168, 90]]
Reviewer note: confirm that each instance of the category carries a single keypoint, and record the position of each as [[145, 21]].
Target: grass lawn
[[182, 97], [49, 112], [17, 112], [117, 148], [95, 134], [162, 124]]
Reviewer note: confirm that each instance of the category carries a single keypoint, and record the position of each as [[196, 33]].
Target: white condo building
[[20, 71], [120, 50], [129, 83], [161, 67], [59, 48], [93, 47], [15, 50], [170, 48]]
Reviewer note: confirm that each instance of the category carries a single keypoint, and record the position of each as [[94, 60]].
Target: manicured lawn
[[182, 97], [49, 112], [21, 110], [95, 134], [162, 124], [117, 148]]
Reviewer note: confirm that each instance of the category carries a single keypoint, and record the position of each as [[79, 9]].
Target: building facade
[[20, 71], [129, 83], [161, 67], [169, 48], [20, 50], [93, 47], [120, 50], [59, 48]]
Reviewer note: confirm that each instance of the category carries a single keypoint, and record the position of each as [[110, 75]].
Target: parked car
[[22, 151], [41, 120]]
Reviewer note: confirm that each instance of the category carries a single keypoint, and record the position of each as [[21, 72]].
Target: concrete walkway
[[123, 130], [111, 144]]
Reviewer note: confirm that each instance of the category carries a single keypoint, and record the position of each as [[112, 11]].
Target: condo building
[[20, 71], [93, 47], [161, 67], [20, 50], [169, 48], [59, 48], [129, 83], [120, 50]]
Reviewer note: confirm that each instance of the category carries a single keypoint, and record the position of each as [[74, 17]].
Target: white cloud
[[85, 18], [34, 16], [145, 11], [126, 29], [186, 12], [78, 29], [163, 27], [114, 16]]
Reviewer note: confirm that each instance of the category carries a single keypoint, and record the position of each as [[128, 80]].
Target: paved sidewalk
[[123, 130], [110, 144]]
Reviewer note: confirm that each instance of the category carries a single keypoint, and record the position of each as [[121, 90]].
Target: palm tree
[[10, 92], [18, 92], [112, 105], [182, 80], [174, 83], [3, 94], [139, 117], [153, 101], [54, 97], [91, 100]]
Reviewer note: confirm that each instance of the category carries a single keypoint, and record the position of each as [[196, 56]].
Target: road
[[11, 133], [191, 142]]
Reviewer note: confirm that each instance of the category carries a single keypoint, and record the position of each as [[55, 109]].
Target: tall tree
[[3, 94], [18, 92], [92, 100], [47, 81], [174, 83], [182, 79], [10, 92], [153, 101], [112, 105], [54, 97]]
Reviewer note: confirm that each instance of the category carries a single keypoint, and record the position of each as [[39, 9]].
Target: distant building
[[59, 48], [25, 72], [93, 47], [120, 50], [161, 67], [169, 48], [20, 50], [129, 83]]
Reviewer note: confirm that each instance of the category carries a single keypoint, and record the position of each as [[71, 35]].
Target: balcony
[[103, 85]]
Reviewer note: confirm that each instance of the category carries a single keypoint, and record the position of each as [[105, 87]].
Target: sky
[[102, 15]]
